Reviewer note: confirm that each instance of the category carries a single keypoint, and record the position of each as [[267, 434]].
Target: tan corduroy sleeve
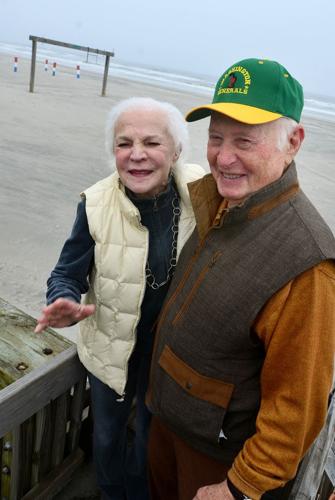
[[297, 327]]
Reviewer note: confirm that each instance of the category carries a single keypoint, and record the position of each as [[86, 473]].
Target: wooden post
[[37, 447], [76, 412], [104, 83], [33, 65]]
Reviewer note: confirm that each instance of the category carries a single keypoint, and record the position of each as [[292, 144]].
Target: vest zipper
[[121, 398], [187, 272], [195, 287]]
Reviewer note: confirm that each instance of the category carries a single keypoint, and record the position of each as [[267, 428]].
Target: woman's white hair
[[175, 123]]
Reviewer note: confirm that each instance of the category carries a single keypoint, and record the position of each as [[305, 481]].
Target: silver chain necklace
[[150, 278]]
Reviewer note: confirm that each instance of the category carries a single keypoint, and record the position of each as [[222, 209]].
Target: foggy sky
[[203, 37]]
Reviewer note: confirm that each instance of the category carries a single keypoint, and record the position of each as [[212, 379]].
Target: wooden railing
[[316, 477], [41, 414]]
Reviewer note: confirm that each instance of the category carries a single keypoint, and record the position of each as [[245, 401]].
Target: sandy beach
[[52, 147]]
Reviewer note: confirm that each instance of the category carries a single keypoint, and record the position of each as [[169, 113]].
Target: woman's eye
[[122, 145], [153, 143]]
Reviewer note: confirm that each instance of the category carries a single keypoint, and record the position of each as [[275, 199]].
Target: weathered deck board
[[39, 387], [22, 350]]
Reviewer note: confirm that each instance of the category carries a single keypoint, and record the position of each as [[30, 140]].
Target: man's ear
[[295, 139], [294, 142]]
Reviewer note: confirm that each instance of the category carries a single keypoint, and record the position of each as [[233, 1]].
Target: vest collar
[[211, 209]]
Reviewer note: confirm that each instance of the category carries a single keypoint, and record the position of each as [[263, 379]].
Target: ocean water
[[319, 106]]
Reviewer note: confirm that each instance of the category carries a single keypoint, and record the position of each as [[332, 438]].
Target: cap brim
[[239, 112]]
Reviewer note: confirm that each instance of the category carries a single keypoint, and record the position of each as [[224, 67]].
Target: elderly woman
[[124, 246]]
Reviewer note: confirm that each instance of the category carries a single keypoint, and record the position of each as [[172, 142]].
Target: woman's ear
[[176, 154]]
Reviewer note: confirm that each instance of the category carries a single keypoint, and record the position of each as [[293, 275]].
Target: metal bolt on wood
[[21, 366], [6, 470], [47, 351], [7, 446]]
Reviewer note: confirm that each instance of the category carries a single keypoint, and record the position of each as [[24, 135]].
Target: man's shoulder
[[314, 223]]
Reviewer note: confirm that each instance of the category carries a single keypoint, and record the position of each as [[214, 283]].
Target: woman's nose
[[137, 152]]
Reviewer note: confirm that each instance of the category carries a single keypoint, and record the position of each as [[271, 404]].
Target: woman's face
[[144, 151]]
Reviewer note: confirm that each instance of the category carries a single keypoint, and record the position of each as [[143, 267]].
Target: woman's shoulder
[[102, 185]]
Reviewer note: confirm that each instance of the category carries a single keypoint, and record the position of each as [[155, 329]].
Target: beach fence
[[42, 404], [88, 50]]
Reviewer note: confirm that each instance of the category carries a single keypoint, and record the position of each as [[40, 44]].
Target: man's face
[[243, 158]]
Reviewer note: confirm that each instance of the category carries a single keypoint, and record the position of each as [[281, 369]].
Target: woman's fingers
[[61, 313], [84, 311], [42, 324]]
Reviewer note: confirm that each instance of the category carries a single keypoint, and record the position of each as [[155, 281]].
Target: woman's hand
[[61, 313]]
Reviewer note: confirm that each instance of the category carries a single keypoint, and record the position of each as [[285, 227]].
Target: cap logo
[[232, 81], [236, 81]]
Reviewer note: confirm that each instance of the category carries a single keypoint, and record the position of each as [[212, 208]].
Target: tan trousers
[[177, 471]]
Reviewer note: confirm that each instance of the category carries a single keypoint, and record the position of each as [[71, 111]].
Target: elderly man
[[243, 362]]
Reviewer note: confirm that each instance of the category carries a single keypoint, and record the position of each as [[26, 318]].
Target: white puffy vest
[[117, 282]]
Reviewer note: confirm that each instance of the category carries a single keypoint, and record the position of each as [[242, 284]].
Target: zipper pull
[[121, 398]]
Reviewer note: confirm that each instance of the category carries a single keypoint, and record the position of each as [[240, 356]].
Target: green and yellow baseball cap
[[254, 91]]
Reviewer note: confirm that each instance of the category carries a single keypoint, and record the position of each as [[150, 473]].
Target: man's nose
[[226, 155]]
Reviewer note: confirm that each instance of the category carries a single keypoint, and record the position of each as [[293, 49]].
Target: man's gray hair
[[284, 126], [175, 123]]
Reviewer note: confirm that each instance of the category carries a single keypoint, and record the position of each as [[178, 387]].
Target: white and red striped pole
[[54, 69], [15, 64], [46, 65], [78, 71]]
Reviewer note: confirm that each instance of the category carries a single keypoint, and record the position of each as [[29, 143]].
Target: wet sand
[[52, 147]]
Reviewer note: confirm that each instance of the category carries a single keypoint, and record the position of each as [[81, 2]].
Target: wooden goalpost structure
[[89, 50]]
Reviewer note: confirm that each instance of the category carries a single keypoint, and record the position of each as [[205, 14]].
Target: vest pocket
[[194, 402]]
